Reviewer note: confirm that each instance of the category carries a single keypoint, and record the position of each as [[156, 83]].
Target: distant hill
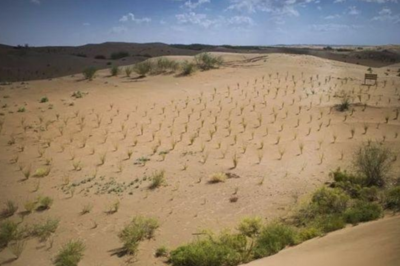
[[22, 63]]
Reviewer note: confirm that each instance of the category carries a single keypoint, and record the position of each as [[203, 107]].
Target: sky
[[234, 22]]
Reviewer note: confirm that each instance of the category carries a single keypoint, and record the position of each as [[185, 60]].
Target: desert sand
[[375, 243], [257, 109]]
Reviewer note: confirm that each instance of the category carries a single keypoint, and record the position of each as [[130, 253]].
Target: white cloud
[[193, 5], [131, 17], [277, 7], [195, 19], [204, 21], [352, 10], [241, 21], [332, 16], [380, 1], [333, 27], [37, 2], [386, 14]]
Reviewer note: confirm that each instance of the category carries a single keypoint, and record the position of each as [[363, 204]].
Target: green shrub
[[139, 229], [143, 68], [89, 73], [9, 210], [374, 162], [363, 212], [119, 55], [8, 232], [329, 201], [328, 223], [44, 100], [273, 238], [45, 230], [393, 198], [114, 71], [369, 194], [310, 232], [70, 254], [161, 252], [187, 68], [128, 71], [250, 227], [226, 249], [344, 102], [42, 172], [157, 179], [163, 65], [206, 61], [44, 203]]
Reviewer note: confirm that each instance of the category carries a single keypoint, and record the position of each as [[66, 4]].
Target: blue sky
[[236, 22]]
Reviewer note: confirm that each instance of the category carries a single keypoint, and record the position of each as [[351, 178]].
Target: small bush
[[273, 238], [45, 230], [206, 61], [8, 232], [157, 180], [9, 210], [374, 162], [250, 227], [329, 223], [393, 198], [310, 232], [44, 203], [139, 229], [143, 68], [329, 201], [161, 252], [224, 250], [89, 73], [44, 100], [363, 212], [344, 102], [17, 247], [119, 55], [70, 254], [165, 65], [128, 71], [42, 172], [217, 178], [114, 71], [187, 68]]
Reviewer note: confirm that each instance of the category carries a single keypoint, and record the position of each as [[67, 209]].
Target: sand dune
[[103, 147], [372, 244]]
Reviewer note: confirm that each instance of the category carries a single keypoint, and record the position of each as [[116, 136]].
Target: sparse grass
[[9, 210], [42, 172], [114, 71], [139, 229], [344, 102], [44, 230], [143, 68], [206, 61], [89, 73], [187, 68], [17, 247], [44, 203], [9, 231], [70, 254], [87, 208], [217, 178], [157, 179], [161, 252]]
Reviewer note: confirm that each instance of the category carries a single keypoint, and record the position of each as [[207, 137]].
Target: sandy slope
[[259, 108], [372, 244]]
